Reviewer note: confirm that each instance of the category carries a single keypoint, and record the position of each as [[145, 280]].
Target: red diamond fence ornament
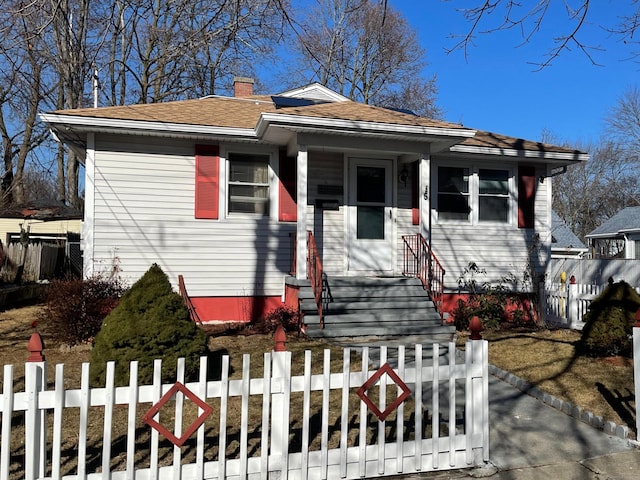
[[362, 392], [177, 387]]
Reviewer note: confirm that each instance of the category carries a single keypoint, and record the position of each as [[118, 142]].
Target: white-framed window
[[453, 193], [248, 190], [493, 195], [473, 194]]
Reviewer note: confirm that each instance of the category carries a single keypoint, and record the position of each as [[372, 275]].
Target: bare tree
[[70, 50], [574, 31], [623, 123], [591, 192], [22, 89], [167, 50], [145, 51], [365, 50]]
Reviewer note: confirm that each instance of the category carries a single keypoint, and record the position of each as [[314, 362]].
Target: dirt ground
[[16, 328]]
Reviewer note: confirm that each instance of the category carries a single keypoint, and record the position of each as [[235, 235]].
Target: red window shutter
[[415, 194], [207, 181], [526, 197], [287, 193]]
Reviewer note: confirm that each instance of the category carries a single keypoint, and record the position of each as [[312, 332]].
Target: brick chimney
[[242, 86]]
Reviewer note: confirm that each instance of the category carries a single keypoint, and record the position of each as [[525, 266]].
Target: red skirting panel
[[234, 309]]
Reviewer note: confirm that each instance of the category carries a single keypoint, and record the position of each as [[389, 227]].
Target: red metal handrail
[[421, 262], [314, 273], [187, 301]]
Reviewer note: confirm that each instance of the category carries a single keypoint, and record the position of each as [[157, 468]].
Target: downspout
[[562, 171]]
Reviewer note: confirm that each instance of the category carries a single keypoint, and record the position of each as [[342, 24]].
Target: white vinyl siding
[[326, 170], [144, 214]]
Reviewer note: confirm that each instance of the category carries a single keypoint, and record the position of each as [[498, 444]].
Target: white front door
[[370, 236]]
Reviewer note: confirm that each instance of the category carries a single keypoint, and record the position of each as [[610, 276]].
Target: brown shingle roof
[[245, 112], [208, 111], [495, 140], [355, 111]]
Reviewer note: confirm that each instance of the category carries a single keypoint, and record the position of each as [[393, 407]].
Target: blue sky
[[496, 87]]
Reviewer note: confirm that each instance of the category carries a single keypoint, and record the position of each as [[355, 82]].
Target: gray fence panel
[[595, 271]]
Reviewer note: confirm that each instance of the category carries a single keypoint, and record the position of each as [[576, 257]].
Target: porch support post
[[87, 237], [424, 169], [301, 231]]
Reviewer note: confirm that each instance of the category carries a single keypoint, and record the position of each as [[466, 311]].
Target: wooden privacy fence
[[32, 262], [565, 303], [428, 413]]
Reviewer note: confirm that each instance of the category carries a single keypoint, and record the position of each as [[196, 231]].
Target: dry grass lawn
[[16, 329], [547, 359]]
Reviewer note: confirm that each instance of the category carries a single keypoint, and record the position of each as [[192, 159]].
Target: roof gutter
[[160, 129], [530, 154]]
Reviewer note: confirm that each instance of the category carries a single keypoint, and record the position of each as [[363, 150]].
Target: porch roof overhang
[[72, 128], [276, 127], [271, 128], [543, 156]]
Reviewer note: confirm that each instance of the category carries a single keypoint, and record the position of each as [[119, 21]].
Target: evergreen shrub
[[151, 322], [609, 320]]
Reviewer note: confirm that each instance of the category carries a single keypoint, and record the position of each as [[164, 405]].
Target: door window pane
[[370, 223], [371, 185]]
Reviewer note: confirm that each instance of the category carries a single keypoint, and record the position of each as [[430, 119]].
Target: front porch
[[372, 306]]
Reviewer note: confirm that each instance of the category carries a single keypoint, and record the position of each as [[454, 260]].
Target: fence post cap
[[475, 327], [280, 339], [35, 346]]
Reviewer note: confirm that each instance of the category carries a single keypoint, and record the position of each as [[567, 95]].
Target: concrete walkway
[[531, 440]]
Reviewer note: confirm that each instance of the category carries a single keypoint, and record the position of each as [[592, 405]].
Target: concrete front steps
[[374, 307]]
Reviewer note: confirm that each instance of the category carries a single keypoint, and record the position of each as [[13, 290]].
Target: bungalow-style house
[[253, 198], [618, 237], [564, 243]]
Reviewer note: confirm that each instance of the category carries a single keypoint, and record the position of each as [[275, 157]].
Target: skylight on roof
[[284, 102]]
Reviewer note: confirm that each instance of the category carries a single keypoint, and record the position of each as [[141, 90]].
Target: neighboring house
[[223, 191], [618, 237], [565, 243], [41, 223]]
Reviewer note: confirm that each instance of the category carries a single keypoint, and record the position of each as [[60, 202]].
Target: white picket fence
[[279, 425], [566, 303], [636, 375]]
